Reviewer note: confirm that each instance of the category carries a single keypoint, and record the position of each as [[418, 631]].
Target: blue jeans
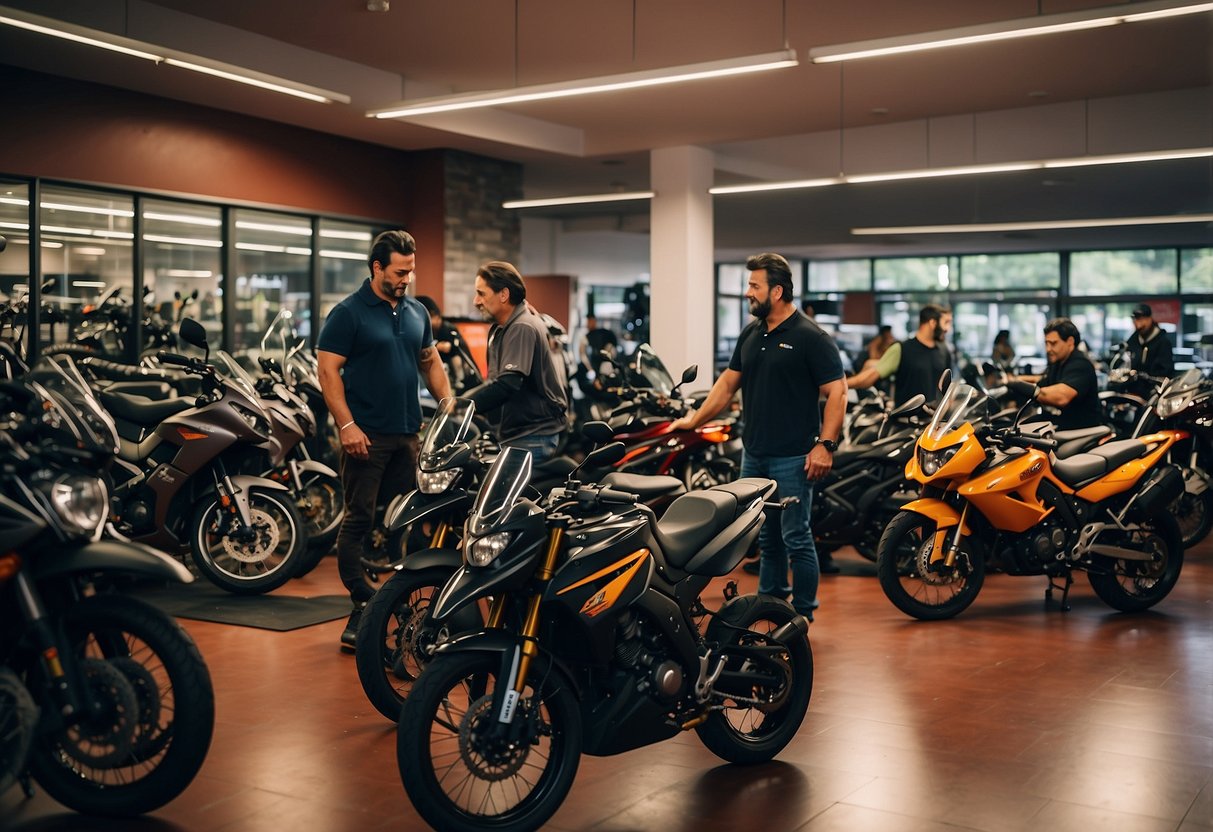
[[541, 445], [793, 541]]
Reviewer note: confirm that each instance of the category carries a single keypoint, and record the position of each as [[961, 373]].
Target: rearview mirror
[[945, 380], [194, 334], [597, 432]]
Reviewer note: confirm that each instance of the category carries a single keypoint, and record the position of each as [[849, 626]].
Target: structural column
[[682, 306]]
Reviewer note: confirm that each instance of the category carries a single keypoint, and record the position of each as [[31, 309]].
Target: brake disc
[[265, 539], [106, 739], [490, 760]]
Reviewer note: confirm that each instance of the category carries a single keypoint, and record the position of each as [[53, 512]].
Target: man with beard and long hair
[[375, 348], [916, 363], [783, 363]]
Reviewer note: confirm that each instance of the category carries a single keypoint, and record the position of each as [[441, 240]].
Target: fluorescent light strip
[[969, 228], [159, 55], [777, 186], [19, 226], [115, 235], [189, 273], [297, 230], [85, 209], [1159, 156], [183, 241], [342, 255], [46, 244], [89, 284], [588, 86], [182, 218], [12, 200], [585, 199], [361, 236], [1005, 30], [89, 251], [935, 172]]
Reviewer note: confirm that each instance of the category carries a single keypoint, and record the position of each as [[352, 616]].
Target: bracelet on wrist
[[346, 425]]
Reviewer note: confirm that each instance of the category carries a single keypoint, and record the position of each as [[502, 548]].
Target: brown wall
[[549, 293], [58, 128]]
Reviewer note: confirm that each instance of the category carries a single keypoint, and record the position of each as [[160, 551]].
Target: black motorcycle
[[593, 645]]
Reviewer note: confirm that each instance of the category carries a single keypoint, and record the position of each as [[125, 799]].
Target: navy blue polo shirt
[[381, 345], [781, 373]]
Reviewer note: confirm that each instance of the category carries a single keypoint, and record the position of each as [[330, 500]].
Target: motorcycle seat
[[557, 466], [143, 411], [691, 521], [1081, 468], [747, 489], [644, 487], [1070, 442]]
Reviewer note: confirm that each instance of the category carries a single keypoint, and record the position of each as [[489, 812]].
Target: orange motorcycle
[[1001, 497]]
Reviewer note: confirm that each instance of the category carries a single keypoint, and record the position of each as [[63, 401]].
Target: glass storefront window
[[731, 279], [87, 267], [1134, 273], [182, 268], [840, 276], [1196, 270], [273, 270], [14, 260], [1040, 270], [344, 247], [976, 322], [928, 274], [732, 314], [1104, 326]]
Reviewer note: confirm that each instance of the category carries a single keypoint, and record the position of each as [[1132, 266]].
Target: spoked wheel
[[396, 636], [466, 771], [321, 505], [920, 588], [700, 473], [18, 718], [151, 714], [763, 705], [1194, 514], [252, 560], [1132, 585]]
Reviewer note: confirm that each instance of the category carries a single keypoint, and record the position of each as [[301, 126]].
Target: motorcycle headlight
[[435, 482], [932, 461], [1168, 406], [82, 503], [482, 550], [253, 420]]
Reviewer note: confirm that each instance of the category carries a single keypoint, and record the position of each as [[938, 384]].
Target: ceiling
[[1143, 86]]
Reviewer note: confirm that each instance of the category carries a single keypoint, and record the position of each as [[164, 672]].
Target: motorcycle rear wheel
[[916, 592], [249, 569], [1134, 585], [747, 733], [443, 746], [18, 718], [321, 506], [1194, 514], [156, 758]]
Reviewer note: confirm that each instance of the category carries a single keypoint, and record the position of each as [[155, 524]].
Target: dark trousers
[[391, 469]]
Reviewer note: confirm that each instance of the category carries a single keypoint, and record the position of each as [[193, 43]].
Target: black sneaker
[[350, 634]]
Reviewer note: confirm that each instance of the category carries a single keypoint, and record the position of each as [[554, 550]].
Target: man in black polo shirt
[[375, 347], [782, 363], [916, 363], [1069, 382], [524, 396]]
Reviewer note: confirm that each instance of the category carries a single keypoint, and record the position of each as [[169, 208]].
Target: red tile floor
[[1012, 716]]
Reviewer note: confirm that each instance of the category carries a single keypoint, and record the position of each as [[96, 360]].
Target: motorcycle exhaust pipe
[[1118, 553], [798, 627]]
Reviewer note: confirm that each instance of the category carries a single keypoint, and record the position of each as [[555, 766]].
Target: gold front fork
[[439, 536], [950, 556], [530, 627]]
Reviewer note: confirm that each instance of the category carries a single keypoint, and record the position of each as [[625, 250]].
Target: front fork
[[231, 498], [67, 698]]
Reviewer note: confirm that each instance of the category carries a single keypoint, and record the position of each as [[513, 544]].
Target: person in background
[[1149, 349], [1069, 382], [1003, 354], [595, 340], [448, 342], [375, 348], [916, 363], [879, 345]]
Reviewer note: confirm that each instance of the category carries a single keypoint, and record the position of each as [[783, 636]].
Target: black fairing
[[418, 506], [727, 548], [18, 525], [646, 719]]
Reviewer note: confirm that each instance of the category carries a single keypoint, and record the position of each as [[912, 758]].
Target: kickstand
[[730, 590], [27, 785], [1065, 591]]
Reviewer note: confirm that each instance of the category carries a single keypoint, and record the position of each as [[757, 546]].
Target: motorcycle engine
[[639, 650], [1047, 544], [138, 514]]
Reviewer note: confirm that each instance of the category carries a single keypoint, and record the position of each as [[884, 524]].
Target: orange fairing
[[942, 514], [968, 457], [1006, 494], [1127, 475]]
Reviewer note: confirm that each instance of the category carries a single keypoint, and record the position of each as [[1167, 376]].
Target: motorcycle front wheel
[[916, 586], [758, 720], [461, 770], [18, 718], [249, 561], [321, 505], [149, 735], [1133, 585]]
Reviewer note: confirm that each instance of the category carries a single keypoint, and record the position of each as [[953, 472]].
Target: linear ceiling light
[[1004, 30], [587, 86], [969, 228], [584, 199], [969, 170], [159, 55]]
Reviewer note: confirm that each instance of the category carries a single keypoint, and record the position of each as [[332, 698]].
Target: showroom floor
[[1012, 716]]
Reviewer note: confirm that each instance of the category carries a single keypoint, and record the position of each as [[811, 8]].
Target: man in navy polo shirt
[[782, 363], [375, 347]]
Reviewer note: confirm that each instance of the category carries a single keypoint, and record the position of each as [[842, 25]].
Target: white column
[[682, 309]]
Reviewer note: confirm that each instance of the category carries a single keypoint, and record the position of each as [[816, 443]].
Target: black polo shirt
[[781, 373], [381, 345], [1077, 372]]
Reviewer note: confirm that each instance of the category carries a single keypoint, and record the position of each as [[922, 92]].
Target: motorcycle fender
[[110, 556], [416, 561], [244, 483], [311, 466], [417, 506], [940, 512], [508, 648]]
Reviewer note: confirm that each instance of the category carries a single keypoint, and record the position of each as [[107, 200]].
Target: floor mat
[[203, 601]]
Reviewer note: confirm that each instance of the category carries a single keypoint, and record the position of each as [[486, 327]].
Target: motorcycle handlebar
[[1031, 442], [611, 495]]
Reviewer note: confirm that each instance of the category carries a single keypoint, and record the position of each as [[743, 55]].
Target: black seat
[[1070, 442], [644, 487], [747, 489], [1080, 469], [557, 466], [691, 521], [143, 411]]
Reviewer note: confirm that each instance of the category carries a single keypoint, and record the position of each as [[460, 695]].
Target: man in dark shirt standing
[[1069, 382], [375, 347], [1149, 349], [782, 363], [523, 391], [916, 363]]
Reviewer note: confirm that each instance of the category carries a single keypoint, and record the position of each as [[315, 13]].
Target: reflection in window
[[840, 276], [14, 260], [976, 322], [1139, 272], [1040, 270], [732, 314], [182, 269], [87, 267], [930, 274], [1104, 326], [273, 270], [344, 247], [1196, 270]]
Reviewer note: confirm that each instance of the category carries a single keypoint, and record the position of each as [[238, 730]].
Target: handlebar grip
[[612, 495], [1032, 442], [174, 358]]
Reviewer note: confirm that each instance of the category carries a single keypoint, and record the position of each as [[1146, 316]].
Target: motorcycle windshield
[[277, 336], [90, 423], [446, 432], [652, 371], [231, 368], [953, 409], [1185, 382], [503, 486]]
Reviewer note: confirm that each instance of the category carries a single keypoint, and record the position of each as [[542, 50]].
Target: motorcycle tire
[[321, 506], [438, 747], [699, 473], [272, 560], [18, 719], [1134, 585], [1194, 514], [901, 567], [394, 635], [748, 733], [168, 680]]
